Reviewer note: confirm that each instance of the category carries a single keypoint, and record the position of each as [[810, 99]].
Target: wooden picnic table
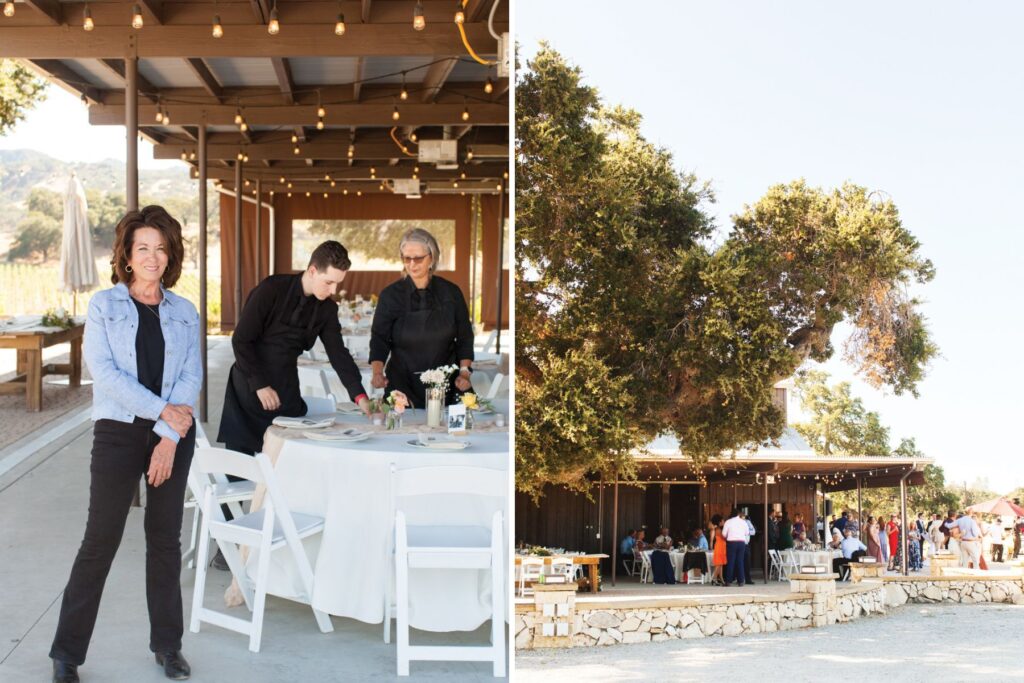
[[590, 561], [30, 370]]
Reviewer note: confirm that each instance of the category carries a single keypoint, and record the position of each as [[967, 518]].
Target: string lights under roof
[[136, 17], [87, 22], [419, 22]]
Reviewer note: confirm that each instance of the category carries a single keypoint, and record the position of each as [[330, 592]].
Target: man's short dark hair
[[330, 254]]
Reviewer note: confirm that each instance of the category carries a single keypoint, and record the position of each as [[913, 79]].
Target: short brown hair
[[332, 254], [155, 217]]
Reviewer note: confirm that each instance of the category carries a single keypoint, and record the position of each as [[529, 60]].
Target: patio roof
[[791, 458], [278, 83]]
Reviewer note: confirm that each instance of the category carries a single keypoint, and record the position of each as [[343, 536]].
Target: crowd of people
[[974, 540]]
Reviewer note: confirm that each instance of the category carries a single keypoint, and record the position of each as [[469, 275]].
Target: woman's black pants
[[120, 457]]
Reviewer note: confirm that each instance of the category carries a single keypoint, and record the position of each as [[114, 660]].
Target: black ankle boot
[[64, 672]]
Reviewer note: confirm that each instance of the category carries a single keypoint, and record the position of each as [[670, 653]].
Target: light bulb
[[240, 156], [87, 22], [418, 22], [351, 151], [308, 194], [416, 169], [345, 191], [282, 180], [359, 193], [192, 156], [238, 117], [289, 186], [489, 86], [244, 127], [218, 30], [333, 184], [167, 119], [465, 114], [8, 9], [463, 175], [136, 17], [159, 115], [505, 175], [469, 154], [455, 183], [327, 176], [325, 195], [184, 155], [460, 16], [321, 112], [274, 27], [395, 115], [245, 158], [297, 151], [295, 138], [339, 26], [247, 182], [413, 137], [319, 124], [289, 194], [404, 95], [373, 171], [498, 187]]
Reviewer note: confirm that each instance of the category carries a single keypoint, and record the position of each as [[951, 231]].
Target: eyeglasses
[[415, 259]]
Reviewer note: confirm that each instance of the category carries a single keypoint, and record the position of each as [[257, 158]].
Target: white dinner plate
[[346, 436], [303, 422], [439, 445]]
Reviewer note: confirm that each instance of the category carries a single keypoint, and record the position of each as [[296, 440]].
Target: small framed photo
[[456, 419]]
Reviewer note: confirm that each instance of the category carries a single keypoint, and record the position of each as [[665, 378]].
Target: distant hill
[[23, 169]]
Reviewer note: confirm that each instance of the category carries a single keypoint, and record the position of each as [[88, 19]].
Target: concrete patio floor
[[43, 503]]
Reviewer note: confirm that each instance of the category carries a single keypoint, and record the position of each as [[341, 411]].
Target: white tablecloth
[[816, 557], [676, 557], [348, 486]]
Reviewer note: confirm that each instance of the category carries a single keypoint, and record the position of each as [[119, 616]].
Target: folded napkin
[[303, 422], [349, 408], [439, 442]]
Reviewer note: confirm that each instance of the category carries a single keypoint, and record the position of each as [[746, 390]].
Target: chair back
[[499, 385], [320, 405], [213, 461], [313, 382]]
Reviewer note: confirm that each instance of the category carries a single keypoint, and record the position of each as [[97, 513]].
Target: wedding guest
[[699, 540], [142, 348], [785, 532], [883, 541], [852, 550], [773, 530], [798, 525], [640, 545], [842, 521], [627, 543], [664, 540], [736, 536], [421, 322], [995, 534], [947, 526], [751, 532], [803, 543], [283, 316], [1018, 527], [921, 529], [720, 557], [853, 524], [936, 533], [837, 540], [970, 541], [874, 547], [914, 560], [892, 530]]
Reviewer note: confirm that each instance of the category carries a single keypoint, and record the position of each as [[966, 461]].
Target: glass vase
[[435, 402]]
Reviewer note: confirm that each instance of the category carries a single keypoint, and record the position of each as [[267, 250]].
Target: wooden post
[[501, 258], [259, 226], [238, 241], [764, 533], [615, 529], [903, 524], [203, 293], [131, 124]]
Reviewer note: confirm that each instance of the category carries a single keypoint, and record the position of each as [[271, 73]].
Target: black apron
[[423, 339], [244, 421]]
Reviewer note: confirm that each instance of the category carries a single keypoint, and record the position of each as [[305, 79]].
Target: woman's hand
[[462, 382], [161, 462], [268, 398], [179, 417]]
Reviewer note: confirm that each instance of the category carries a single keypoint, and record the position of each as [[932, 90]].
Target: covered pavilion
[[369, 110]]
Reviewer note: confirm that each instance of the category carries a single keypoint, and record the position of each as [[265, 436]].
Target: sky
[[922, 100], [60, 128]]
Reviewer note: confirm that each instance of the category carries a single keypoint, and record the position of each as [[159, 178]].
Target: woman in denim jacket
[[142, 349]]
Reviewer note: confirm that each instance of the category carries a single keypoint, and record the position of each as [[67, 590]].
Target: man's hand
[[179, 417], [269, 398], [379, 381], [364, 405], [462, 382], [161, 462]]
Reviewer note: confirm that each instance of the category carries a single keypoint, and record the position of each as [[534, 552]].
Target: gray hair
[[421, 236]]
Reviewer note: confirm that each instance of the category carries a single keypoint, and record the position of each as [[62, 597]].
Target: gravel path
[[903, 645]]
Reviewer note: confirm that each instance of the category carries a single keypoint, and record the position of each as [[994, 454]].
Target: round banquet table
[[348, 484]]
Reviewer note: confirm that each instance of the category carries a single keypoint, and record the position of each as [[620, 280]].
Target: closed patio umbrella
[[997, 506], [77, 266]]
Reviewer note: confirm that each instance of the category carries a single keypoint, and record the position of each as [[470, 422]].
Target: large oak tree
[[631, 322]]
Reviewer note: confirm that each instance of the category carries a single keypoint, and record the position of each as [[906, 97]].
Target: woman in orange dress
[[718, 544]]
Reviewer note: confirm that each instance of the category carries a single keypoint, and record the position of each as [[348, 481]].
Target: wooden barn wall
[[336, 207]]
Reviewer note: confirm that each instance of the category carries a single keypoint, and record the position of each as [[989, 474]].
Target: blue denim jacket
[[109, 351]]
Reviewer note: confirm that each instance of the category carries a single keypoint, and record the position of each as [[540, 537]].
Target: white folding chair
[[481, 382], [776, 565], [489, 344], [499, 385], [274, 526], [451, 546], [358, 345], [313, 382], [320, 405], [645, 567], [530, 571], [790, 565], [230, 493], [630, 564]]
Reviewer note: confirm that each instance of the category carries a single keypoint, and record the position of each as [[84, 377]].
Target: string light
[[465, 113], [218, 29], [469, 154], [8, 9], [413, 137], [289, 186], [460, 15], [184, 155], [87, 22], [359, 193], [245, 157], [240, 155], [404, 95], [289, 194], [333, 184], [295, 138], [351, 151], [308, 193], [244, 127], [339, 26], [274, 27], [192, 156], [327, 176], [489, 86], [395, 115], [320, 124], [297, 150], [238, 117], [136, 17], [325, 195], [282, 180], [345, 191], [418, 21], [505, 175]]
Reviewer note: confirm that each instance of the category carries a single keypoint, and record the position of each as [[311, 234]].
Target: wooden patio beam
[[435, 78], [48, 8], [109, 41], [284, 151], [146, 89], [283, 72], [206, 77], [56, 69]]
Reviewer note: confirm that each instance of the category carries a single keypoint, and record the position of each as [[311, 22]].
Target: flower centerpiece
[[57, 318], [472, 402], [436, 382], [377, 408], [397, 402]]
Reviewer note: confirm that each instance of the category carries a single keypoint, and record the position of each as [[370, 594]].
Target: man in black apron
[[282, 317]]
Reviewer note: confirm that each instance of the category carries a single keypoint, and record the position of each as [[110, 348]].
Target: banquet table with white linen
[[348, 484], [810, 558], [676, 557]]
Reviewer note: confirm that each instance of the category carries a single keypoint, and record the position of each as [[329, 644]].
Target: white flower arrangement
[[438, 377]]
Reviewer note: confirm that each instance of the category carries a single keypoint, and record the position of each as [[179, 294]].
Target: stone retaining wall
[[639, 624], [964, 589]]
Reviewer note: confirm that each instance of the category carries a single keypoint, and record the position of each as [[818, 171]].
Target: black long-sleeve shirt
[[278, 323]]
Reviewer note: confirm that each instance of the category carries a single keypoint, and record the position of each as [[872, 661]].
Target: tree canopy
[[20, 91], [616, 271], [838, 422]]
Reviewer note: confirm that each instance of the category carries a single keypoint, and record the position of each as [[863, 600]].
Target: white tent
[[77, 265]]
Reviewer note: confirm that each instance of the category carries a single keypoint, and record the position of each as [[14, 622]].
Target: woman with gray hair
[[421, 322]]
